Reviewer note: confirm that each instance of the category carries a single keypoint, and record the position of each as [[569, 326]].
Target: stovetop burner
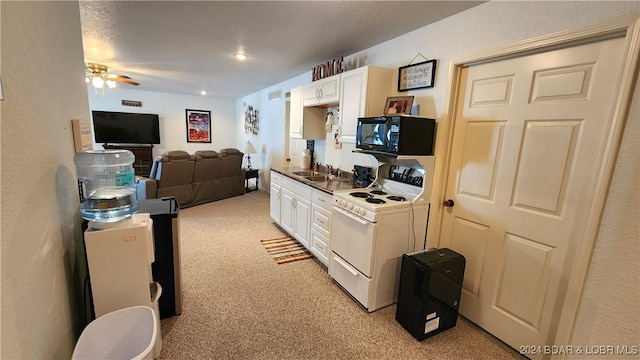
[[360, 194], [378, 192], [396, 198], [375, 200]]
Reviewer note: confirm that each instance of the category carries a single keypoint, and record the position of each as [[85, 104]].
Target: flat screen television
[[111, 127]]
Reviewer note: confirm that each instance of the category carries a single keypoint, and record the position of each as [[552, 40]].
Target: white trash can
[[128, 333]]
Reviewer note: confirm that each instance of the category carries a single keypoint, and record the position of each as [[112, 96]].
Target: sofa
[[194, 179]]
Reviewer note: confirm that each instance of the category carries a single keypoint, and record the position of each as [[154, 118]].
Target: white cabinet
[[320, 225], [323, 92], [295, 209], [295, 113], [274, 197], [364, 92], [304, 123], [303, 212]]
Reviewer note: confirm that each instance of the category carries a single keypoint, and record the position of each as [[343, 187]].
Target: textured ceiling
[[183, 47]]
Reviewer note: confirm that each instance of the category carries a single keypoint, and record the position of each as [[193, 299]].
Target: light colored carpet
[[240, 304]]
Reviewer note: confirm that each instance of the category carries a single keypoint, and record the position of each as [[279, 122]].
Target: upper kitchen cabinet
[[304, 123], [323, 92], [364, 92]]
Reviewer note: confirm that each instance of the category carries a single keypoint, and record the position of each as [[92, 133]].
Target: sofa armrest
[[146, 188]]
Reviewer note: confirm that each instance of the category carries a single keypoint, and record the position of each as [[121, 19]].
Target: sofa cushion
[[206, 175], [175, 175], [206, 154]]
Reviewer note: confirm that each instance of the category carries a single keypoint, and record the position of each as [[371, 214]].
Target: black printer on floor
[[429, 294]]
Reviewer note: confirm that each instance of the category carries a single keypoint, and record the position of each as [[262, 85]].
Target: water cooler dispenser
[[119, 242], [430, 289]]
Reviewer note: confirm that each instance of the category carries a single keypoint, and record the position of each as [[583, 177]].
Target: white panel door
[[529, 133]]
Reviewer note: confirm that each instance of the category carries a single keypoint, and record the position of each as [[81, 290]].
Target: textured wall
[[609, 311], [42, 78]]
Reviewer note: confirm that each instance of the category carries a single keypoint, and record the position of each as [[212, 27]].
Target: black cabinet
[[143, 154], [250, 174], [430, 289], [166, 268]]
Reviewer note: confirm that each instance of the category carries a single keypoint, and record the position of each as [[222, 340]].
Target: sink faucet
[[330, 169]]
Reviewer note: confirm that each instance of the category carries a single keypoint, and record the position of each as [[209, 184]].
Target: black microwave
[[396, 135]]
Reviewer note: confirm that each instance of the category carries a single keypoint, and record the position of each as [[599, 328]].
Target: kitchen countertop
[[344, 183]]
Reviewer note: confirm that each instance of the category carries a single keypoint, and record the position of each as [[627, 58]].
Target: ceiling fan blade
[[126, 81], [114, 76]]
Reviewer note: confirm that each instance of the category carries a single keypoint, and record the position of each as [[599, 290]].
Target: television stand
[[143, 153]]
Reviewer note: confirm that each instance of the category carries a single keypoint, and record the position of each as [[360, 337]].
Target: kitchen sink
[[320, 178], [306, 173]]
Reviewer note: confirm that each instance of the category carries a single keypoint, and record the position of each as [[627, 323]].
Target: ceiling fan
[[98, 76]]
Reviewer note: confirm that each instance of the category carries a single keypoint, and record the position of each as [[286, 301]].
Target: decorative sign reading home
[[131, 103], [336, 66], [417, 76], [327, 69]]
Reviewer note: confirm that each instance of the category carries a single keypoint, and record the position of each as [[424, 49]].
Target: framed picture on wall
[[417, 76], [198, 126]]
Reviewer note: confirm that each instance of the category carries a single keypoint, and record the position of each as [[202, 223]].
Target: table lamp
[[248, 150]]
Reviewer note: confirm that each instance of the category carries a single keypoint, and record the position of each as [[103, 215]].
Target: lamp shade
[[248, 148]]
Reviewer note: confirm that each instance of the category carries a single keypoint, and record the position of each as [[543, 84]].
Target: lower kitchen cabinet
[[295, 209], [274, 198], [303, 212], [320, 225], [319, 246]]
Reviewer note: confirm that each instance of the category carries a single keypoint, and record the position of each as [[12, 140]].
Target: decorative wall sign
[[417, 76], [327, 69], [131, 103], [82, 135], [251, 121], [198, 126], [336, 66]]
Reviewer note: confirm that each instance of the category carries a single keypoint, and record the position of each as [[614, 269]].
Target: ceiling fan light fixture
[[97, 82], [111, 84]]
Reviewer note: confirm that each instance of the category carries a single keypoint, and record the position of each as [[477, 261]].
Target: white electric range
[[370, 230]]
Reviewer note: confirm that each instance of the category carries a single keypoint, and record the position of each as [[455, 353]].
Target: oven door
[[352, 239]]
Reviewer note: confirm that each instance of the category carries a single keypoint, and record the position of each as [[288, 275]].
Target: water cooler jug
[[106, 182], [429, 294]]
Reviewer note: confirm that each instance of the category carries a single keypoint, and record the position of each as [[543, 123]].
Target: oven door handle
[[345, 265], [352, 217]]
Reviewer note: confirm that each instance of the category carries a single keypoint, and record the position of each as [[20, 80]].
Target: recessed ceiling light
[[240, 56], [203, 92]]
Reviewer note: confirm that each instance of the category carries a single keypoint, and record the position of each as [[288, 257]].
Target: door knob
[[448, 203]]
